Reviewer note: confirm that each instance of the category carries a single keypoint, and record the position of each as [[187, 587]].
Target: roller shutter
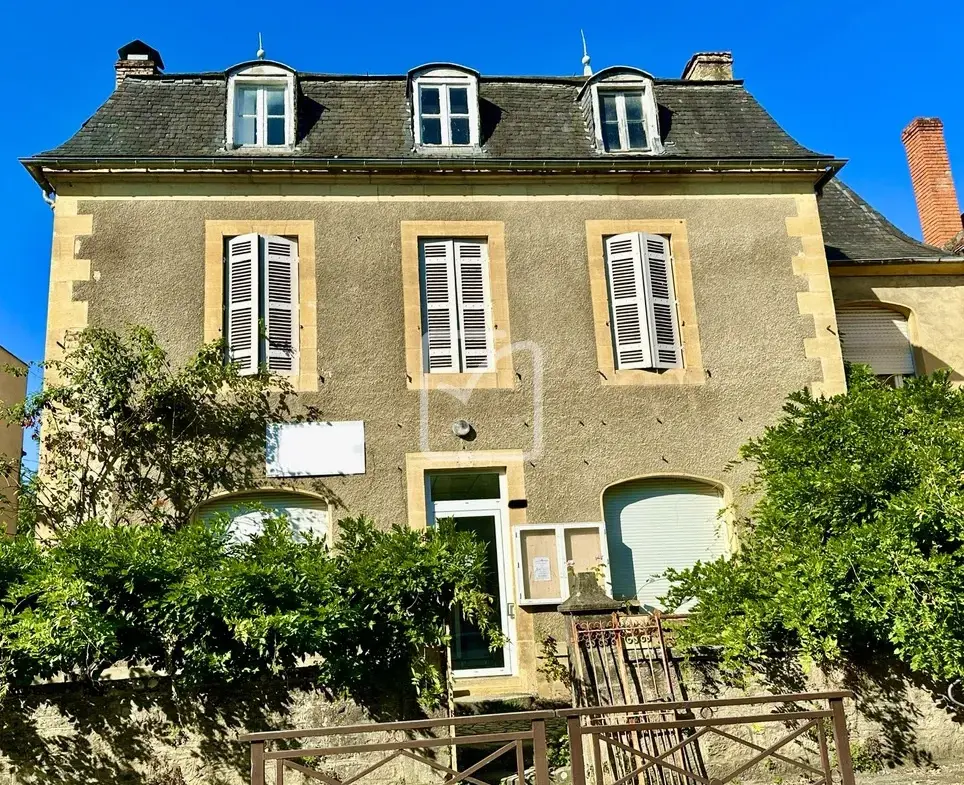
[[655, 524], [305, 513], [877, 337]]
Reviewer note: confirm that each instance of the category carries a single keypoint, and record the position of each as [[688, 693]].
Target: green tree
[[855, 547], [128, 436], [130, 445]]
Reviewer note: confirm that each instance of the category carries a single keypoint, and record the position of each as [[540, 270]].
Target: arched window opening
[[656, 523], [248, 511], [877, 336]]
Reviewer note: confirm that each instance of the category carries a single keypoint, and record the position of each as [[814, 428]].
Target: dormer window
[[261, 106], [621, 103], [445, 106]]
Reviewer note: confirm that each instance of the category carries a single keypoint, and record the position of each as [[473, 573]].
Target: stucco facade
[[760, 293], [751, 331], [13, 388]]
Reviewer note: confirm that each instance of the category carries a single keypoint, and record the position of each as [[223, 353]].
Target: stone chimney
[[137, 59], [930, 172], [709, 67]]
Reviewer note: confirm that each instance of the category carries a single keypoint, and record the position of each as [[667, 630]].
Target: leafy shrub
[[201, 606], [855, 548]]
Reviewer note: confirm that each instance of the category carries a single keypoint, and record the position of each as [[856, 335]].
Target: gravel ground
[[948, 775]]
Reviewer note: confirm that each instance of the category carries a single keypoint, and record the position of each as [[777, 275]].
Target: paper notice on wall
[[541, 569]]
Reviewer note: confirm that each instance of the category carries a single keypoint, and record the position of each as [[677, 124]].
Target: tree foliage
[[128, 436], [202, 606], [130, 445], [855, 547]]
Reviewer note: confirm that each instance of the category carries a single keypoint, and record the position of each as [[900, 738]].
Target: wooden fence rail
[[613, 735]]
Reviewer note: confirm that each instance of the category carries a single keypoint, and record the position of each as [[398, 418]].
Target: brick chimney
[[709, 67], [137, 59], [930, 172]]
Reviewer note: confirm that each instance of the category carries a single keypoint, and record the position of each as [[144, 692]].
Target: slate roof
[[359, 117], [522, 119], [853, 231]]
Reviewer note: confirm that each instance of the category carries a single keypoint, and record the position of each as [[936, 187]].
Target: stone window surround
[[418, 464], [215, 235], [692, 370], [503, 377]]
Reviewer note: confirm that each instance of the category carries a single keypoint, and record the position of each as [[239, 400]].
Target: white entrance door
[[486, 518]]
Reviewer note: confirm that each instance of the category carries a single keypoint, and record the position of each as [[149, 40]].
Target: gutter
[[40, 167], [950, 259]]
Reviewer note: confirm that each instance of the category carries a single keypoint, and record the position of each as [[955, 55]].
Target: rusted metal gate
[[626, 659], [779, 730]]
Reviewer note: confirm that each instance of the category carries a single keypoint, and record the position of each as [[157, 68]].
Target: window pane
[[637, 136], [611, 136], [275, 98], [634, 107], [609, 108], [459, 486], [458, 100], [430, 102], [460, 130], [247, 98], [244, 130], [431, 130], [276, 130]]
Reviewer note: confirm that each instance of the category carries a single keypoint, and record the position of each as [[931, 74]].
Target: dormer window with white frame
[[261, 106], [445, 106], [623, 108]]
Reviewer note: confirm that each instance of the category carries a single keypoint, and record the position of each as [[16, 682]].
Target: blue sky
[[843, 78]]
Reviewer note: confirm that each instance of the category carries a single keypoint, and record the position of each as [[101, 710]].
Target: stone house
[[552, 308]]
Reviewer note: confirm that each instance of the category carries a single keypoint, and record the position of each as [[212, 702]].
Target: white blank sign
[[315, 449]]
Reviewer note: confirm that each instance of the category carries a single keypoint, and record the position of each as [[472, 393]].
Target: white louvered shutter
[[242, 302], [281, 304], [661, 301], [877, 337], [655, 524], [630, 324], [474, 305], [440, 326]]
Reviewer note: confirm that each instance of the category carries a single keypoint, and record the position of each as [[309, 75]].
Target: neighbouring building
[[552, 308], [13, 389]]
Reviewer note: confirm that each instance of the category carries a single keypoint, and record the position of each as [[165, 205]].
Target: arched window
[[877, 336], [656, 523], [248, 511]]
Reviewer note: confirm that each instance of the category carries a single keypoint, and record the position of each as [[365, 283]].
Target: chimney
[[137, 59], [709, 67], [930, 172]]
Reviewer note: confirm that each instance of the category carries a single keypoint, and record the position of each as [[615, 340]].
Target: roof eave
[[945, 259], [42, 166]]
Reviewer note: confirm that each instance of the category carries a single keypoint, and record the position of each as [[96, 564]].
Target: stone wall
[[143, 732]]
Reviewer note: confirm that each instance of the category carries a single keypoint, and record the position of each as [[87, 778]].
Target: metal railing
[[679, 760], [286, 759], [607, 744]]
